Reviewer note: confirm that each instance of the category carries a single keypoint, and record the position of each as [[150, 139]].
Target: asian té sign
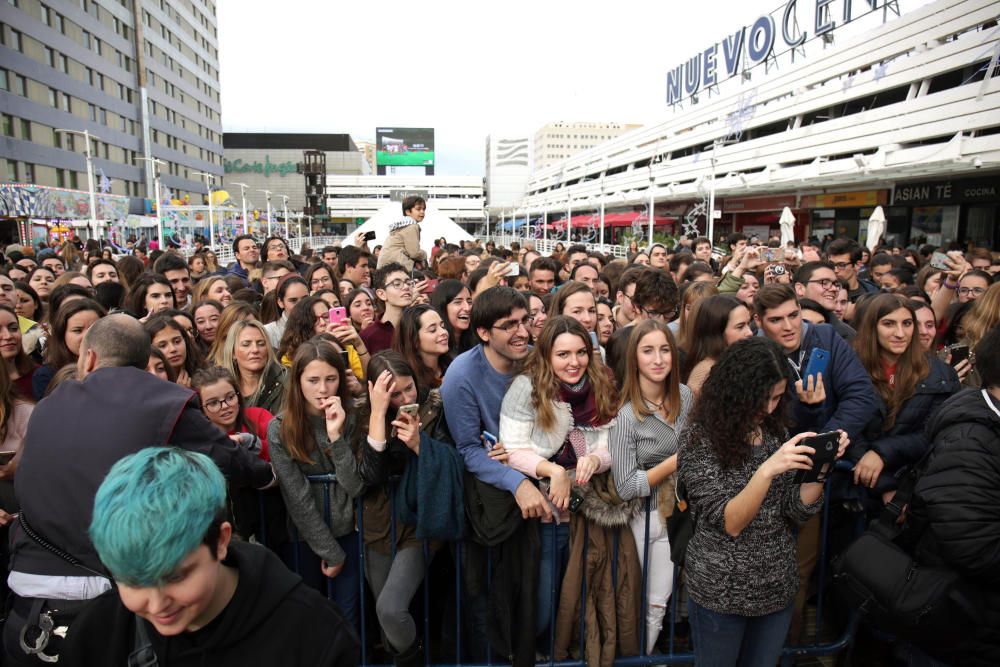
[[751, 45]]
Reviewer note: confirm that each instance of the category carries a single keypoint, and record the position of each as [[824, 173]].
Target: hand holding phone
[[826, 447], [338, 315]]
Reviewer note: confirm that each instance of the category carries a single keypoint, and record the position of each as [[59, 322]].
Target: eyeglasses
[[840, 266], [825, 283], [665, 314], [511, 327], [969, 291], [399, 283], [216, 404]]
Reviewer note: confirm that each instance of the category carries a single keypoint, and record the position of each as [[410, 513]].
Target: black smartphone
[[369, 236], [826, 446], [575, 500], [959, 353]]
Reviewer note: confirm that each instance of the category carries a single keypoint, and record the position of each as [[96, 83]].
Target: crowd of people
[[527, 424]]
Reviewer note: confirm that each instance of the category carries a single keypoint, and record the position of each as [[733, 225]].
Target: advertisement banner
[[25, 200], [404, 146]]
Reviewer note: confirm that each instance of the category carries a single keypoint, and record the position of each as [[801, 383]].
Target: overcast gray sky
[[465, 68]]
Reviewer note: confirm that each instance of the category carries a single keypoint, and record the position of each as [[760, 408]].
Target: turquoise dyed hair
[[152, 510]]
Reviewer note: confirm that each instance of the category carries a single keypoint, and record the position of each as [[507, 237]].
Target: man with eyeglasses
[[845, 255], [272, 272], [625, 297], [655, 297], [247, 254], [472, 391], [818, 281], [394, 288]]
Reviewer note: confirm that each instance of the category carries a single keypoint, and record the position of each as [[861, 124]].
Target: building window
[[11, 170], [104, 117], [56, 139], [67, 104], [15, 40], [53, 98], [8, 125], [60, 178], [26, 129], [29, 173], [72, 181], [63, 64], [93, 113]]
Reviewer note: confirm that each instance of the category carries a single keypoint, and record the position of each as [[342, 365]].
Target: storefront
[[843, 214], [758, 216], [944, 210]]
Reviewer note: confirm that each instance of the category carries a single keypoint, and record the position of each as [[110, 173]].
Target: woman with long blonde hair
[[554, 423]]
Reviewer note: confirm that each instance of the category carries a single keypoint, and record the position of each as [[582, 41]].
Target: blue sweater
[[472, 392]]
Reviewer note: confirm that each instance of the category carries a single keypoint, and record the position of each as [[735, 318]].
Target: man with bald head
[[114, 408]]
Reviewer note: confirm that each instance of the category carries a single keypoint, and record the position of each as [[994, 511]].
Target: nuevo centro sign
[[266, 167], [753, 44]]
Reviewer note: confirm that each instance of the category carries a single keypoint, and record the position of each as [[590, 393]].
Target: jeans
[[730, 640], [344, 589], [555, 549], [394, 582]]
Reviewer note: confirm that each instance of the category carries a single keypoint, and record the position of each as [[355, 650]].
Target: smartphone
[[937, 261], [826, 446], [346, 358], [369, 236], [431, 285], [411, 410], [489, 441], [575, 500], [514, 269], [818, 361], [338, 315], [6, 457], [593, 340], [772, 255], [959, 353]]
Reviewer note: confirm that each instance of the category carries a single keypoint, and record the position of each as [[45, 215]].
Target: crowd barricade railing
[[674, 654]]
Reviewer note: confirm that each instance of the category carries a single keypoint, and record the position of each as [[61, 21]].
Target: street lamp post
[[155, 163], [243, 190], [209, 178], [284, 209], [267, 193], [87, 136]]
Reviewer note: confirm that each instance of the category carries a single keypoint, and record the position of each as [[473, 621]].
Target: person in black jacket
[[114, 408], [910, 385], [957, 499], [186, 590]]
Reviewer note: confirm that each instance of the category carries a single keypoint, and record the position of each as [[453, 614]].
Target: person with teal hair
[[186, 590]]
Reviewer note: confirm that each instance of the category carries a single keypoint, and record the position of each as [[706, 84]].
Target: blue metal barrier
[[814, 648]]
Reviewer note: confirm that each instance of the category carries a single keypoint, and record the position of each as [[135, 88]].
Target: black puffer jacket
[[958, 501], [905, 442]]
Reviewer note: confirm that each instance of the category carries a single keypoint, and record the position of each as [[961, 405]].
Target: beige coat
[[403, 246]]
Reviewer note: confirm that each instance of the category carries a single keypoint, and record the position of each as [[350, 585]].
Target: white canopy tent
[[434, 226]]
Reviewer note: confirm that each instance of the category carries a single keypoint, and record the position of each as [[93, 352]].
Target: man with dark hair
[[542, 275], [655, 298], [174, 268], [625, 310], [474, 387], [574, 255], [679, 264], [53, 262], [353, 264], [402, 246], [881, 264], [329, 256], [56, 486], [586, 274], [818, 281], [703, 252], [247, 254], [394, 288], [845, 255], [736, 241]]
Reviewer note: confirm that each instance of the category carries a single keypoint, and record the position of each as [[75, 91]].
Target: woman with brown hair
[[909, 385], [574, 299], [20, 367], [554, 423], [69, 324], [644, 442], [691, 293], [318, 433], [716, 322], [423, 342]]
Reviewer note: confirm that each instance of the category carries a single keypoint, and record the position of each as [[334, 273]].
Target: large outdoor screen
[[405, 146]]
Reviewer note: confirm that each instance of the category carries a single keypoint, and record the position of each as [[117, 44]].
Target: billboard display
[[404, 146]]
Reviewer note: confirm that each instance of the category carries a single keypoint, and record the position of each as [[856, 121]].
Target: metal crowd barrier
[[814, 648]]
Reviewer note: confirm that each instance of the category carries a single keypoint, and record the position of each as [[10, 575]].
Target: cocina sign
[[752, 44]]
